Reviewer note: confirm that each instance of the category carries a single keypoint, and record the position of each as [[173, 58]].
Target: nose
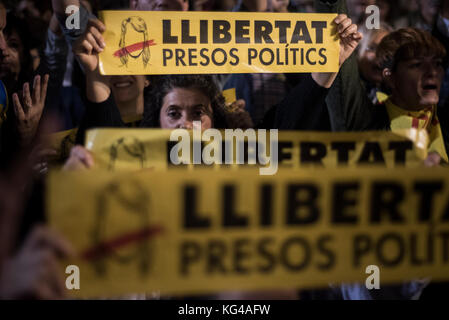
[[187, 125]]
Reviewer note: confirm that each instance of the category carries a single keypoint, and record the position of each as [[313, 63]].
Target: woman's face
[[182, 106], [11, 56], [128, 88], [367, 60], [416, 83]]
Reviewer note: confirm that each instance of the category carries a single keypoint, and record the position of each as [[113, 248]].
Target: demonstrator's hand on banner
[[90, 44], [80, 159], [349, 40], [349, 36]]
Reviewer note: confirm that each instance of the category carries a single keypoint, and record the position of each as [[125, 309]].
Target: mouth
[[430, 87], [125, 83]]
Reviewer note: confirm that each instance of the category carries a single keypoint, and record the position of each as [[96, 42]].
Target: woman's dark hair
[[15, 24], [162, 85]]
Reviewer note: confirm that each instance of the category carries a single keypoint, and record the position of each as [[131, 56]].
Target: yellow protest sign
[[154, 42], [134, 149], [201, 232]]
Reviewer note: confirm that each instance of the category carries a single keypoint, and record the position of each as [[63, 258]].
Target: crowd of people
[[392, 77]]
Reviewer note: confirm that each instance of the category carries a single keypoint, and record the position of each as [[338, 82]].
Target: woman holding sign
[[180, 100]]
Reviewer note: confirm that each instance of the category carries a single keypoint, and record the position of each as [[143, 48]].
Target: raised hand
[[35, 272], [349, 40], [90, 44], [29, 108], [349, 36]]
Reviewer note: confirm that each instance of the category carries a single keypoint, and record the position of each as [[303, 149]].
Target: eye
[[438, 63], [174, 114], [198, 113], [13, 45]]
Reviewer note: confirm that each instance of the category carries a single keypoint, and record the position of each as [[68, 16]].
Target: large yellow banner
[[201, 232], [134, 149], [148, 42]]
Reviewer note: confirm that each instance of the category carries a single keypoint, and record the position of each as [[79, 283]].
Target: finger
[[98, 37], [37, 89], [97, 24], [59, 244], [84, 156], [357, 36], [43, 154], [44, 292], [352, 29], [340, 18], [42, 237], [18, 110], [87, 47], [26, 97], [46, 263], [344, 25], [44, 88], [241, 104], [96, 47], [56, 279]]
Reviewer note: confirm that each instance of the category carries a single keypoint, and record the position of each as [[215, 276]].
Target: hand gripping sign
[[218, 42]]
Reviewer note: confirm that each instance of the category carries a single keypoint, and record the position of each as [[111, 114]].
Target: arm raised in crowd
[[349, 106], [86, 48], [349, 40], [101, 109], [294, 108], [29, 107]]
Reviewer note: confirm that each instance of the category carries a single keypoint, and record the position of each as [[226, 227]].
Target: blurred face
[[357, 8], [416, 83], [203, 5], [306, 6], [225, 5], [280, 5], [428, 9], [11, 56], [159, 5], [182, 106], [26, 8], [128, 88], [367, 60]]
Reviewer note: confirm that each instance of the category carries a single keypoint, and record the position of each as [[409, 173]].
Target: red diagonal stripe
[[133, 47], [107, 247]]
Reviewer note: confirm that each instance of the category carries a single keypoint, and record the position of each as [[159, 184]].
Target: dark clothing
[[101, 115], [303, 108]]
